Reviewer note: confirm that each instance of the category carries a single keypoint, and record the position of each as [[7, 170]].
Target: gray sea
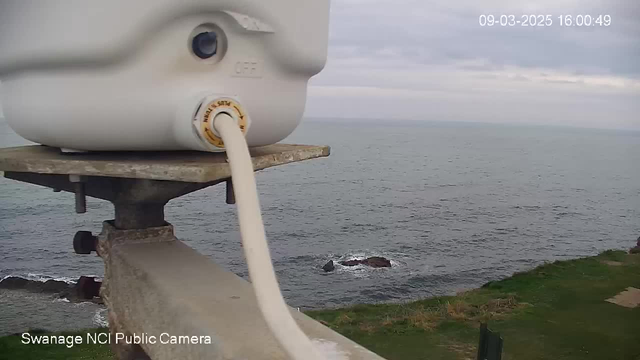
[[452, 205]]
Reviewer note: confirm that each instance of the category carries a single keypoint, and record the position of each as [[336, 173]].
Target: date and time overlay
[[538, 20]]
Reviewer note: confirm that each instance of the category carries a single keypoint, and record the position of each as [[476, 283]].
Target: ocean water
[[453, 205]]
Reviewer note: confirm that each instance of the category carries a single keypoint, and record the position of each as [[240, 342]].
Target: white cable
[[275, 311]]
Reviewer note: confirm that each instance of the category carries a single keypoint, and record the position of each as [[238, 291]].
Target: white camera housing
[[124, 75]]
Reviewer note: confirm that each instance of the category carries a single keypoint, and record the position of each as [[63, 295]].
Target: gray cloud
[[415, 51], [430, 33]]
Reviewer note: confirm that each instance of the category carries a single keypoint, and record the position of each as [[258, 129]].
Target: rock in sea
[[374, 261], [49, 286], [329, 266]]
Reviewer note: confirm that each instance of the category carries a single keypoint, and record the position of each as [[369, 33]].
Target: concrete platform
[[139, 184], [183, 166]]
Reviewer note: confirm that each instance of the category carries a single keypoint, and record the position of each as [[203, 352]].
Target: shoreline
[[556, 310]]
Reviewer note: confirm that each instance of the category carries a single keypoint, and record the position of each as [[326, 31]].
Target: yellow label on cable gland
[[215, 107]]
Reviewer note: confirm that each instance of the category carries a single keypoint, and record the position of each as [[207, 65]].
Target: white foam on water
[[330, 349], [44, 278], [83, 303], [363, 271], [100, 318], [359, 271]]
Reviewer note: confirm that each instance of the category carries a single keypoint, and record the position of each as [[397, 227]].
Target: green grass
[[12, 348], [556, 311]]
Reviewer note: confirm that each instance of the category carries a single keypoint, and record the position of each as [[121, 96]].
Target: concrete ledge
[[185, 166]]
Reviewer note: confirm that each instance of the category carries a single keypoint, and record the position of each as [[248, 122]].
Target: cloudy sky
[[431, 60]]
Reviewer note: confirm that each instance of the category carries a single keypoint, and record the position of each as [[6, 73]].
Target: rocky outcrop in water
[[373, 261], [49, 286], [353, 262], [87, 288], [329, 266], [13, 282]]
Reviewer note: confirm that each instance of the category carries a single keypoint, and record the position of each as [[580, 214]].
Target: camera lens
[[205, 44]]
